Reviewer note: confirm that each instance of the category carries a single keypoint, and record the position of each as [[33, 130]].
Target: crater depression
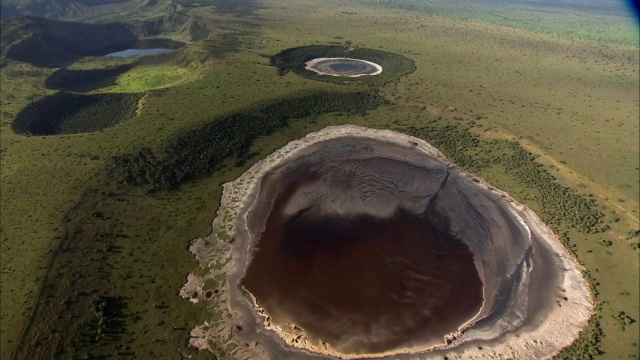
[[343, 67], [355, 242]]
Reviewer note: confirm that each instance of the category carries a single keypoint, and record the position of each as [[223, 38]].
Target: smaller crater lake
[[349, 67], [135, 52]]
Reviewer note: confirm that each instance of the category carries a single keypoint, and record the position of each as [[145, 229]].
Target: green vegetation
[[588, 346], [144, 78], [393, 65], [606, 243], [44, 176], [72, 233], [129, 78], [65, 113], [624, 320], [85, 309], [602, 21], [557, 203], [199, 152], [107, 323]]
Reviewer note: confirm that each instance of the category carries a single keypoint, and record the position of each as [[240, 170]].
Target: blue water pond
[[134, 52]]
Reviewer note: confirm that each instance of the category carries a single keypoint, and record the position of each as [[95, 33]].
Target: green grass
[[149, 77], [43, 177], [542, 88], [572, 101], [608, 22], [191, 154]]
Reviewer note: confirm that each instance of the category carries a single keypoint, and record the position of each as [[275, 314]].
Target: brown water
[[363, 284]]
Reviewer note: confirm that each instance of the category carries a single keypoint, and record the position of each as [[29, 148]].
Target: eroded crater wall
[[374, 172]]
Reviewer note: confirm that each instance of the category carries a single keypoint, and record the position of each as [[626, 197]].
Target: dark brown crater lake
[[356, 243], [362, 283]]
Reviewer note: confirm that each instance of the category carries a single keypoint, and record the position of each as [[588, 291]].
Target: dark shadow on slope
[[200, 151], [65, 113], [51, 43], [85, 80]]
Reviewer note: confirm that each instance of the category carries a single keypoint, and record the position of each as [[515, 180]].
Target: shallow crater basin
[[343, 66]]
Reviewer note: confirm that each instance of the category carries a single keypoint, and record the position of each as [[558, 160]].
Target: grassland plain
[[601, 21], [532, 85], [541, 87], [44, 176]]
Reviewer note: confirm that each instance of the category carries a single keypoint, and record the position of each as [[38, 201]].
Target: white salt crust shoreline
[[311, 65], [220, 257]]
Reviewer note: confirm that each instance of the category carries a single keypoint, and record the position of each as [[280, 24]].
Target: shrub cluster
[[105, 324], [557, 203]]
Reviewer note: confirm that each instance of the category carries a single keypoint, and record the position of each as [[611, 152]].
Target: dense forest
[[199, 152]]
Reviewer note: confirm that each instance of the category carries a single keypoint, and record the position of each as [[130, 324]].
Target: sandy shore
[[516, 320], [313, 66]]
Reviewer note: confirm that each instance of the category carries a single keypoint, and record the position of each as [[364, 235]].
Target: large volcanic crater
[[355, 242]]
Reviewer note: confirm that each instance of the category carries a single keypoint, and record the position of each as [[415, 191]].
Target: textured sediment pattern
[[355, 174], [343, 67]]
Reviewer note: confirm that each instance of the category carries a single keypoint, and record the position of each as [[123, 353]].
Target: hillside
[[60, 43], [99, 10]]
